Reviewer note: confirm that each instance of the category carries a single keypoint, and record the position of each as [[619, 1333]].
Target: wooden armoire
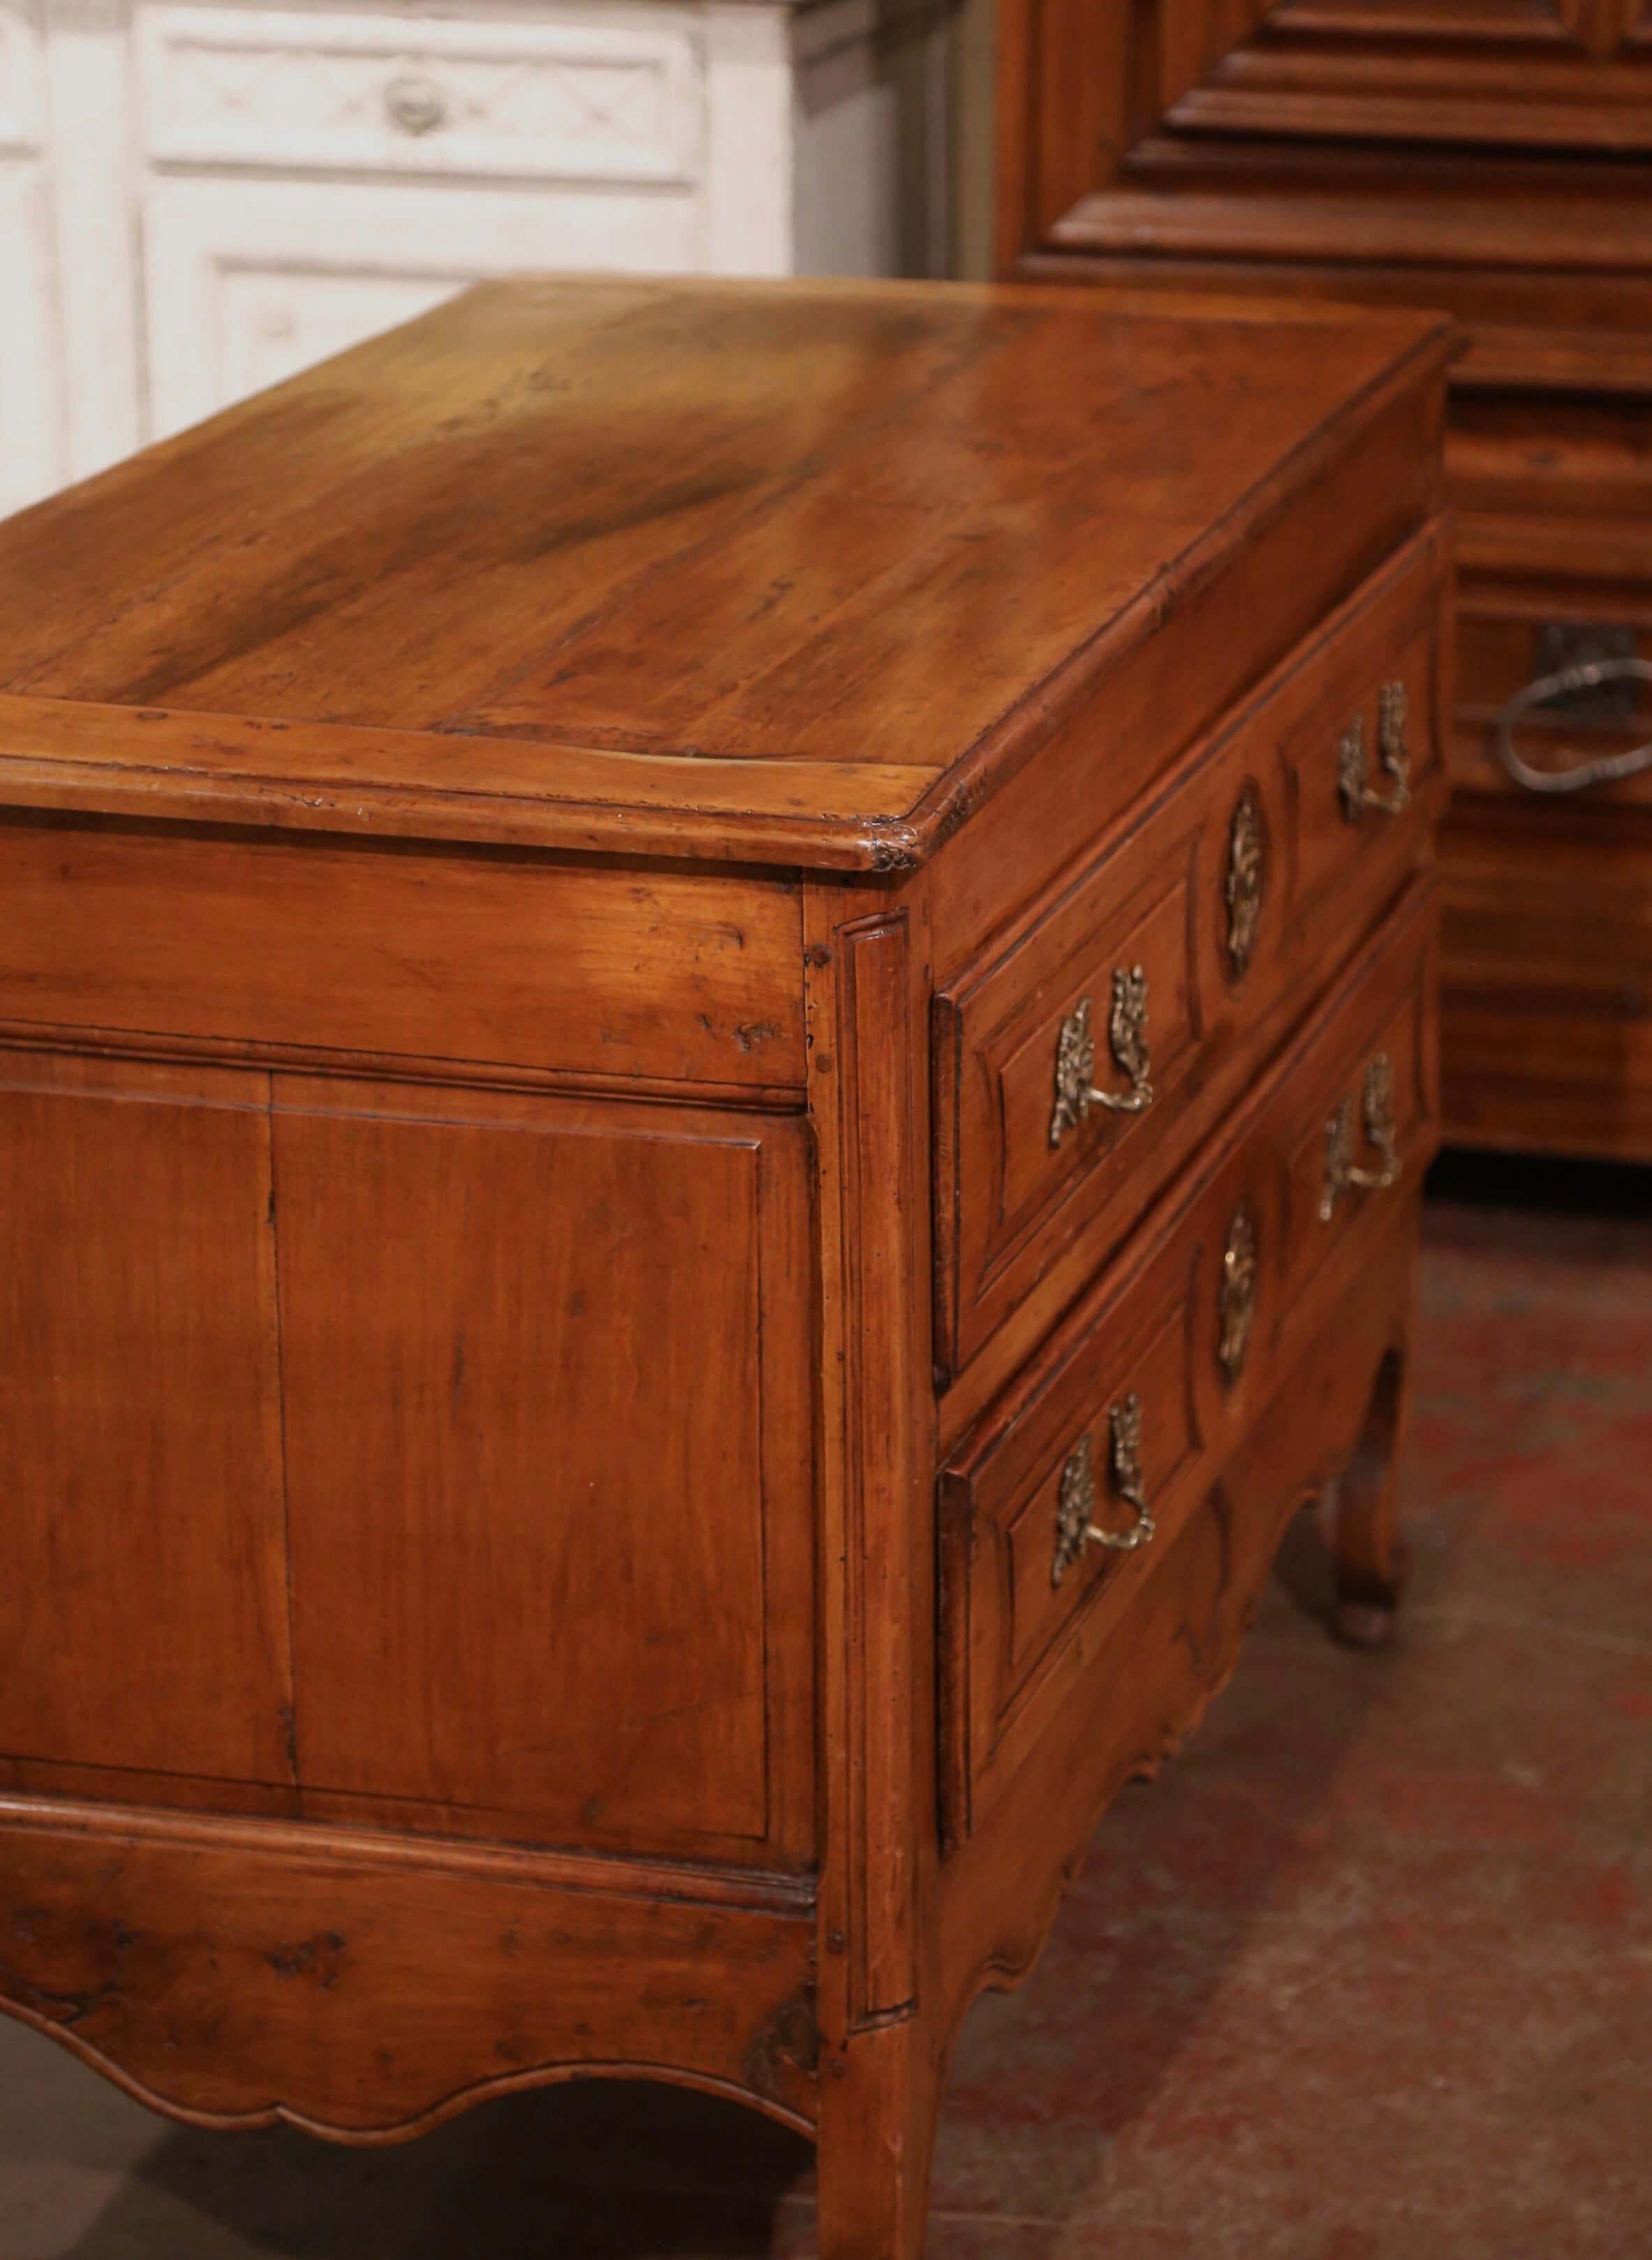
[[1492, 157]]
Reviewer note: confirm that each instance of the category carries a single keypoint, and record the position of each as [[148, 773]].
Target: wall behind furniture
[[199, 197], [973, 133]]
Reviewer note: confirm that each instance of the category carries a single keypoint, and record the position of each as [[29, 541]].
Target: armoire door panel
[[1453, 72], [547, 1462], [143, 1609]]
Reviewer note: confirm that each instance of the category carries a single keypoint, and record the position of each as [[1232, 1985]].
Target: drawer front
[[1079, 1067], [1356, 1127], [1547, 978], [615, 99], [481, 962], [1121, 1424]]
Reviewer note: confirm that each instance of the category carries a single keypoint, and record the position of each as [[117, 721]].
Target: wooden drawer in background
[[1160, 1372], [1254, 870], [1545, 996], [1546, 900], [1507, 637], [1555, 497]]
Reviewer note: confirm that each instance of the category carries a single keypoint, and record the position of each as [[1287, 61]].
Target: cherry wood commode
[[1492, 157], [716, 1037]]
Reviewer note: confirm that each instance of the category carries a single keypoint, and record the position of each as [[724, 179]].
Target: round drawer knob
[[415, 104]]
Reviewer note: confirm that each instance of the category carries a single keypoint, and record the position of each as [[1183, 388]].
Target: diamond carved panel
[[505, 100]]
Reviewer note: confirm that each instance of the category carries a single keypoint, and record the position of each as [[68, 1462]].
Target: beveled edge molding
[[868, 819], [616, 1873], [360, 782]]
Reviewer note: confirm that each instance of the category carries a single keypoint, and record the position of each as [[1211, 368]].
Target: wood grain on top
[[602, 564]]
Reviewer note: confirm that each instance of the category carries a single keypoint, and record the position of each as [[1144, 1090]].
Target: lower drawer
[[1546, 984], [1055, 1511]]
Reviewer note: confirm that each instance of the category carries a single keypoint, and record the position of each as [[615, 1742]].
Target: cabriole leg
[[1370, 1556]]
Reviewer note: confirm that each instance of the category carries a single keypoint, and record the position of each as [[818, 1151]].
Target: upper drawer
[[1123, 1421], [1077, 1069], [483, 962], [614, 99]]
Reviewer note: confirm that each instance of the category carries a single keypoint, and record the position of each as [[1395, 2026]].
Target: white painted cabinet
[[197, 199], [31, 437]]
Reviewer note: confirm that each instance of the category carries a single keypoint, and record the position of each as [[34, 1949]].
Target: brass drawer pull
[[1392, 752], [1076, 1056], [1238, 1299], [1243, 890], [1076, 1514], [1378, 1109]]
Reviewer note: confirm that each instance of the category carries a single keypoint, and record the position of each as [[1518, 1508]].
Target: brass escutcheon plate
[[1238, 1299]]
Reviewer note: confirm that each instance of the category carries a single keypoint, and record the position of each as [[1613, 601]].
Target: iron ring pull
[[1588, 674]]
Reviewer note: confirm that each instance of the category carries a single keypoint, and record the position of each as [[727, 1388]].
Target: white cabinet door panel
[[21, 75], [249, 281], [31, 381]]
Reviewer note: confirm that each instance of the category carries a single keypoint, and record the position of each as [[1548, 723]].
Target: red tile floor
[[1366, 1975]]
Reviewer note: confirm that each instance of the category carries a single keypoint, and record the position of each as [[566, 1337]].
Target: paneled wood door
[[1516, 72], [143, 1576], [546, 1373], [436, 1458], [1098, 99]]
